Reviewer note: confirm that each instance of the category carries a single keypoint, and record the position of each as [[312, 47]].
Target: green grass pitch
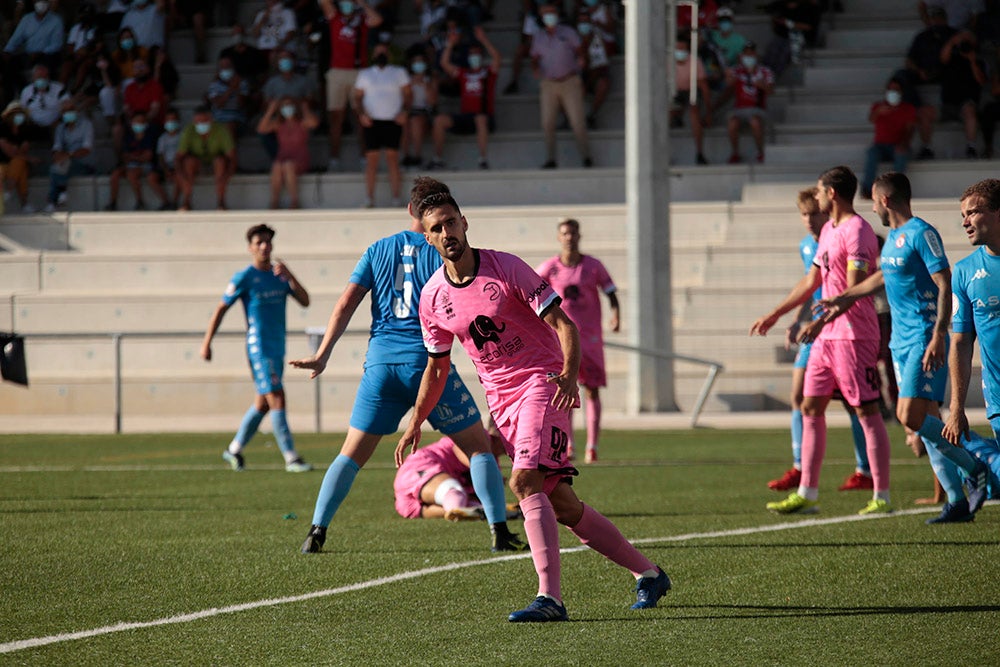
[[98, 531]]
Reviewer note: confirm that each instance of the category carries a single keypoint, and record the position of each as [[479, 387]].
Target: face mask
[[69, 117], [142, 78], [127, 44], [419, 67], [725, 26], [140, 3], [41, 7], [202, 128], [584, 28], [346, 7], [749, 61], [285, 65], [19, 119], [172, 126], [288, 110], [475, 61], [681, 56], [550, 19], [893, 97], [226, 74], [592, 3], [41, 84], [138, 128], [381, 60]]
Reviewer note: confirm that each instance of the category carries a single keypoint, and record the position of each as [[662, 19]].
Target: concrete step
[[875, 37]]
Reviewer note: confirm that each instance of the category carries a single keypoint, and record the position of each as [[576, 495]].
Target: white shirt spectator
[[166, 147], [80, 37], [44, 106], [275, 24], [116, 7], [71, 138], [383, 90], [38, 35], [147, 22]]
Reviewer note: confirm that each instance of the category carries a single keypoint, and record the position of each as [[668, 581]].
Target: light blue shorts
[[802, 356], [911, 378], [267, 372]]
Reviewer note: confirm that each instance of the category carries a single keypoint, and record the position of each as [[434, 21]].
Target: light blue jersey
[[807, 251], [910, 255], [975, 285], [395, 270], [263, 295]]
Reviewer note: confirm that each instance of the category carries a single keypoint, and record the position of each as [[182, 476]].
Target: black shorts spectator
[[385, 134], [465, 123]]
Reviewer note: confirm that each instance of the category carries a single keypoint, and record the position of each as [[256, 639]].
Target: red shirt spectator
[[348, 41], [750, 85], [145, 96], [478, 90], [893, 124]]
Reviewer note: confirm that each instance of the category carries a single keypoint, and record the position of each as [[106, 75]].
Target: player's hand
[[763, 325], [810, 331], [567, 394], [832, 307], [281, 271], [615, 324], [314, 364], [935, 354], [791, 335], [410, 440], [956, 426], [206, 352]]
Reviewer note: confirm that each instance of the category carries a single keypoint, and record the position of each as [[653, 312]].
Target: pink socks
[[813, 450], [543, 537], [877, 445], [598, 533]]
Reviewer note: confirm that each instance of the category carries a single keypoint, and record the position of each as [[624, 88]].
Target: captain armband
[[857, 265]]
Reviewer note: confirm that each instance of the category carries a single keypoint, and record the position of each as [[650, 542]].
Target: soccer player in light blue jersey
[[976, 287], [813, 219], [394, 270], [916, 276], [262, 288]]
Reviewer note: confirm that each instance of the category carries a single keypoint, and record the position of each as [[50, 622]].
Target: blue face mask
[[419, 67], [127, 44], [592, 3], [475, 61], [288, 110], [19, 119], [550, 19], [202, 128], [172, 126], [69, 117], [138, 128], [346, 7], [725, 26], [41, 84], [226, 74], [285, 65], [584, 28]]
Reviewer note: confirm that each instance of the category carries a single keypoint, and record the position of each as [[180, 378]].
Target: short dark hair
[[429, 193], [569, 222], [895, 186], [842, 180], [988, 189], [260, 230]]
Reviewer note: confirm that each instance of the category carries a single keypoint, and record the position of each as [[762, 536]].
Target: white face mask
[[41, 7], [681, 56], [749, 61], [893, 97]]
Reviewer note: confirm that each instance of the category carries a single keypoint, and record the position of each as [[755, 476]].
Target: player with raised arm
[[844, 355], [580, 280], [917, 280], [394, 270], [263, 288], [527, 355]]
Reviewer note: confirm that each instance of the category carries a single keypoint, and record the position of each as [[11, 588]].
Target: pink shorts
[[848, 365], [592, 373], [420, 468], [535, 436]]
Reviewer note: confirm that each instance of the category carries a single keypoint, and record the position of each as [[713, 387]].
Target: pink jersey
[[420, 468], [849, 244], [497, 319]]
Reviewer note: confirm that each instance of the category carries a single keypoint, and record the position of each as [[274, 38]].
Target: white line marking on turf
[[22, 644]]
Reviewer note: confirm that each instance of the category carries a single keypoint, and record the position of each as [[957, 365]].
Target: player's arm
[[801, 317], [432, 385], [799, 294], [838, 305], [341, 316], [960, 372], [299, 292], [431, 512], [568, 391], [936, 352], [616, 314], [213, 326]]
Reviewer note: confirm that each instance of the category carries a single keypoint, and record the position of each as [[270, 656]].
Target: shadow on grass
[[764, 612]]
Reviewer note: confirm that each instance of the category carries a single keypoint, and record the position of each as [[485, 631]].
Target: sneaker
[[298, 465], [700, 159], [511, 88], [790, 480], [925, 154], [463, 514], [856, 482], [591, 455], [541, 610], [434, 163], [368, 203], [484, 163], [971, 153], [649, 590], [49, 208], [62, 198], [508, 542], [760, 158], [140, 205], [734, 159], [570, 452], [876, 506], [975, 487], [314, 540], [587, 163], [549, 164], [27, 209], [957, 512], [166, 206], [235, 461], [112, 206], [794, 504]]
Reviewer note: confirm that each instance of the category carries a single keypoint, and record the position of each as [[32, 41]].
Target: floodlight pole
[[647, 192]]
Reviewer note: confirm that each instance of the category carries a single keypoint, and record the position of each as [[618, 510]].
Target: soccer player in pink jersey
[[580, 279], [845, 352], [527, 354]]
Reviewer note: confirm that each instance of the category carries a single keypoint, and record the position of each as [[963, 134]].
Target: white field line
[[22, 644]]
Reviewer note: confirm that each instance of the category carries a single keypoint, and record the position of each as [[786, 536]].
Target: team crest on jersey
[[484, 330], [900, 240], [492, 289]]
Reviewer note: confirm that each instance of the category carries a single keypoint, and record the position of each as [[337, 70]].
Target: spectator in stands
[[147, 21], [165, 72], [144, 94], [274, 27], [166, 151], [138, 160], [707, 15], [795, 24], [348, 25], [557, 60], [477, 98], [227, 96], [107, 76], [109, 19], [751, 83], [962, 14], [424, 87], [250, 63], [291, 120], [128, 53], [924, 58], [43, 98], [602, 18], [72, 153], [205, 143], [962, 80], [196, 14], [894, 120], [682, 101], [531, 23], [286, 82], [37, 39], [990, 113], [81, 48], [15, 154], [729, 42], [382, 97], [596, 65]]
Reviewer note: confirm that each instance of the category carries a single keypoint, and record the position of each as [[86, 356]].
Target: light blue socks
[[336, 485]]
